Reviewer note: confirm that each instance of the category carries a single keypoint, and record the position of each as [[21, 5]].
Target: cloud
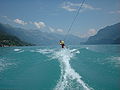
[[6, 17], [87, 6], [51, 29], [74, 6], [115, 12], [18, 21], [68, 6], [58, 30], [91, 32], [39, 24]]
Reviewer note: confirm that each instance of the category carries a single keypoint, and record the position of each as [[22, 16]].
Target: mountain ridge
[[38, 37], [107, 35]]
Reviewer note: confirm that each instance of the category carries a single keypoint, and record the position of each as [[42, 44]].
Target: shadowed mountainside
[[107, 35]]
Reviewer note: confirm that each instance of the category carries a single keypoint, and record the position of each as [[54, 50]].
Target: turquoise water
[[85, 67]]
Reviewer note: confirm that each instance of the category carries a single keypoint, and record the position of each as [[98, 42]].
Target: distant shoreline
[[57, 45]]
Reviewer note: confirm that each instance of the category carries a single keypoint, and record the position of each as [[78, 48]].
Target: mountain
[[9, 40], [39, 37], [107, 35]]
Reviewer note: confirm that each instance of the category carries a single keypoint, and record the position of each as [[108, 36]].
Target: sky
[[57, 15]]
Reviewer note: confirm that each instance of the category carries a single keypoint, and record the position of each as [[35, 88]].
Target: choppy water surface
[[85, 67]]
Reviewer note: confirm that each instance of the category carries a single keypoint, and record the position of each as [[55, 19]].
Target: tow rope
[[74, 20]]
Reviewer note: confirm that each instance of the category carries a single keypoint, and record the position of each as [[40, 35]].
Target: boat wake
[[69, 79]]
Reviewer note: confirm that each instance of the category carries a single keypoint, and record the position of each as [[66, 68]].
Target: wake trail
[[69, 79]]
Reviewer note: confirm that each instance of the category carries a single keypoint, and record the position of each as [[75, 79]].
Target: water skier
[[62, 43]]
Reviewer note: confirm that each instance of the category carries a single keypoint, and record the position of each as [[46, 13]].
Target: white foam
[[44, 51], [16, 50], [69, 79], [73, 50], [78, 52], [87, 47], [4, 64], [115, 60]]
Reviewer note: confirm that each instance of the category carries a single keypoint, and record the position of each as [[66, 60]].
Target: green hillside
[[9, 40]]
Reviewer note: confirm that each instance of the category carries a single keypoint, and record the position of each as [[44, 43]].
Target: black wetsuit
[[63, 45]]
